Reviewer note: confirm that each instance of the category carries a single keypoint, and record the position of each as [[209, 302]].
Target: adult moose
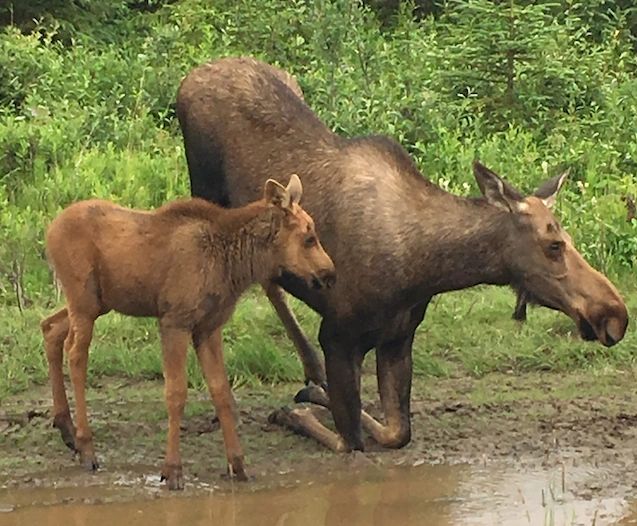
[[396, 238]]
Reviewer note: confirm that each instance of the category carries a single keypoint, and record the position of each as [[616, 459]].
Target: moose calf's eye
[[555, 248], [310, 241]]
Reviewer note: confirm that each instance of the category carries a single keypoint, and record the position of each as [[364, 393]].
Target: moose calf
[[186, 264]]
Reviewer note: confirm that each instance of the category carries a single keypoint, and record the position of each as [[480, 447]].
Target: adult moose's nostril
[[614, 330], [609, 340]]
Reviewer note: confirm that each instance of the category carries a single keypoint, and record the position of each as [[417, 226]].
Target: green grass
[[87, 95], [465, 333]]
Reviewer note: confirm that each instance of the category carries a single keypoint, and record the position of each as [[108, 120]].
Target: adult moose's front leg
[[394, 372], [174, 344], [343, 368]]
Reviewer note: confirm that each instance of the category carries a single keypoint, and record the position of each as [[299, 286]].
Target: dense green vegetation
[[87, 93]]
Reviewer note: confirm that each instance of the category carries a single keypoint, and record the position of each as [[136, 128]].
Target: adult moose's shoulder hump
[[396, 238]]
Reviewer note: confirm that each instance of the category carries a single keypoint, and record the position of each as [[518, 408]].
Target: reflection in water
[[427, 495]]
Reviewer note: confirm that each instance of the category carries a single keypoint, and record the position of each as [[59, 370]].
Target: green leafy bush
[[87, 95]]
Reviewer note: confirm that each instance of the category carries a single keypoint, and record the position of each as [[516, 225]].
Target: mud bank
[[535, 449]]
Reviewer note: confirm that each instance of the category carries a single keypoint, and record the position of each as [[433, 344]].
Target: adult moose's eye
[[310, 241]]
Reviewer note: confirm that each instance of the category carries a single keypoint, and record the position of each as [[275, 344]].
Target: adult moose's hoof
[[286, 417], [64, 423], [173, 475], [313, 394]]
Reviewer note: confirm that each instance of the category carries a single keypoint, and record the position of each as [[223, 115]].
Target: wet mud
[[537, 449]]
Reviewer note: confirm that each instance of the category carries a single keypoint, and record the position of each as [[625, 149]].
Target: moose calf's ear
[[276, 194], [548, 191], [494, 189], [295, 189]]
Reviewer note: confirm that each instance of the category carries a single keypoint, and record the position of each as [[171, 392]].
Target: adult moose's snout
[[603, 315], [607, 325]]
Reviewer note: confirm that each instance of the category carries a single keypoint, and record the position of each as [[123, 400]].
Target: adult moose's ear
[[547, 192], [495, 190], [295, 189], [276, 194]]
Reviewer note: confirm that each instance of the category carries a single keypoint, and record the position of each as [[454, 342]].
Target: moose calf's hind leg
[[210, 353], [54, 330], [174, 350], [79, 339]]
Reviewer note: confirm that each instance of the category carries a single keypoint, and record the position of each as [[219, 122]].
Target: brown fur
[[396, 238], [186, 263]]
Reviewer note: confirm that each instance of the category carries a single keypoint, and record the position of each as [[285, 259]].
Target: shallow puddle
[[423, 495]]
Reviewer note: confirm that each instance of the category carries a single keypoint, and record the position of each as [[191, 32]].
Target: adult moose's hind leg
[[343, 359], [174, 344], [394, 372], [210, 354], [312, 366], [54, 330]]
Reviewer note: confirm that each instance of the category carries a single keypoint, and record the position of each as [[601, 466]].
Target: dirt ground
[[530, 421]]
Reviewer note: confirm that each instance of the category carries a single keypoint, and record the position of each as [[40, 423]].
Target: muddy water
[[422, 495]]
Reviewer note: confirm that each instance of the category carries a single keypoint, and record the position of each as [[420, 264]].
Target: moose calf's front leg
[[210, 353], [174, 350], [77, 343]]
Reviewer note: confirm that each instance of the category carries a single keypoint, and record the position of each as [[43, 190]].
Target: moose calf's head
[[544, 265], [297, 247]]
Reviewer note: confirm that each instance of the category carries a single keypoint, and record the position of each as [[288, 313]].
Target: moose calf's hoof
[[64, 423], [89, 462], [174, 477], [236, 470], [241, 476]]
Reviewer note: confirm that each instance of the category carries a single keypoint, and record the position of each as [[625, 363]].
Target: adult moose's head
[[545, 266]]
